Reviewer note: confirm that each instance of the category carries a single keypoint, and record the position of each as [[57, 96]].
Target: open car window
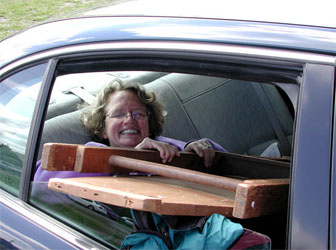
[[248, 111]]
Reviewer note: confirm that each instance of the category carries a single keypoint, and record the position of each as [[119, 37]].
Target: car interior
[[248, 110], [192, 103]]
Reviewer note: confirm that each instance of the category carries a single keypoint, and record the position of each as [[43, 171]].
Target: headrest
[[65, 128]]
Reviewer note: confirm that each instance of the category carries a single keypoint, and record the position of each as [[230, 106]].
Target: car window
[[107, 223], [232, 112], [18, 94]]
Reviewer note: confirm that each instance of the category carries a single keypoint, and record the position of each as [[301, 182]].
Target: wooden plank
[[92, 159], [155, 194], [252, 198], [260, 197], [251, 167], [95, 159], [58, 157], [174, 172], [172, 197]]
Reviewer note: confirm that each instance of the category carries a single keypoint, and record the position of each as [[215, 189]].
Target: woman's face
[[123, 129]]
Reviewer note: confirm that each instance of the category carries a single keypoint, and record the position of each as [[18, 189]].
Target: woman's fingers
[[167, 151], [209, 155], [203, 149]]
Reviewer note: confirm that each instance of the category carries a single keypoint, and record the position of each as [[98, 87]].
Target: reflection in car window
[[18, 95], [109, 224]]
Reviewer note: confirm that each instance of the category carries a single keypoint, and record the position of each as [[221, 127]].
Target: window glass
[[18, 95], [228, 111], [106, 223]]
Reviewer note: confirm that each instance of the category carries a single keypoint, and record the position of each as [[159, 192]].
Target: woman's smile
[[123, 125], [129, 131]]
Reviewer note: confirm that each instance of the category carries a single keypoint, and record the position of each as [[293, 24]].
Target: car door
[[309, 215]]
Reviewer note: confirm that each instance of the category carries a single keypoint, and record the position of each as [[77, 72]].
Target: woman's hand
[[204, 149], [167, 151]]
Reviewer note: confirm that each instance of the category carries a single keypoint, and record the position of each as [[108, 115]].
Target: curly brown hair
[[93, 116]]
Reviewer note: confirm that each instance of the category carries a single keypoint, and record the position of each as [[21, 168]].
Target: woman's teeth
[[129, 131]]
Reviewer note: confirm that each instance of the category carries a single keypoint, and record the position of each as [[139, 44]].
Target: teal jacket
[[218, 232]]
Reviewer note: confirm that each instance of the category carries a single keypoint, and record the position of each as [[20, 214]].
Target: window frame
[[332, 229], [317, 95], [29, 159]]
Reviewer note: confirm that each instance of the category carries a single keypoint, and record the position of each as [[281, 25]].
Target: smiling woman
[[121, 129], [107, 121], [112, 107]]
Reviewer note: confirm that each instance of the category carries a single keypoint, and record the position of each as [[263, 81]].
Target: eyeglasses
[[135, 114]]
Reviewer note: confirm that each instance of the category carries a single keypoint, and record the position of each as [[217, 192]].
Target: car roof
[[122, 27], [299, 12]]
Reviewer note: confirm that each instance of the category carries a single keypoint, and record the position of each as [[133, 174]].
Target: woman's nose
[[129, 115]]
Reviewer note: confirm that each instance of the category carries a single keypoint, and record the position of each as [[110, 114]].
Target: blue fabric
[[142, 241], [218, 233]]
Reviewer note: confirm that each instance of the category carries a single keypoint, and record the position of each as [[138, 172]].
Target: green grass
[[10, 169], [16, 15]]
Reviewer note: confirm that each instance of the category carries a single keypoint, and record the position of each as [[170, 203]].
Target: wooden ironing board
[[175, 189]]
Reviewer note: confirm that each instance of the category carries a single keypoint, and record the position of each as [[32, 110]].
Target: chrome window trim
[[32, 140], [245, 52], [44, 221]]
